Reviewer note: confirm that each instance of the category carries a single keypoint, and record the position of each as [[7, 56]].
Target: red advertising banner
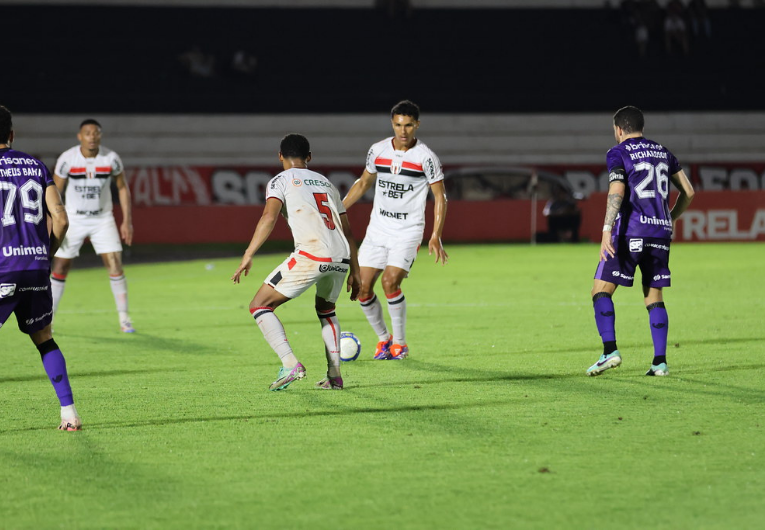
[[209, 204]]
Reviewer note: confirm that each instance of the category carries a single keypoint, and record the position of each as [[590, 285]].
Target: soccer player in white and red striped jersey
[[325, 253], [83, 175], [403, 168]]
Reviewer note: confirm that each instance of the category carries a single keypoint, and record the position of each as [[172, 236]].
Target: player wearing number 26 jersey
[[636, 233], [324, 255]]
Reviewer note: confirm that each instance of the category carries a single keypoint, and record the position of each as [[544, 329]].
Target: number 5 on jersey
[[326, 212]]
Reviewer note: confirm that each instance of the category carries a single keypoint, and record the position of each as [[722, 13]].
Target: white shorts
[[101, 230], [378, 251], [298, 273]]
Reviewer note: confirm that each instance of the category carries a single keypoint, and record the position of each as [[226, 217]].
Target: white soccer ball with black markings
[[350, 346]]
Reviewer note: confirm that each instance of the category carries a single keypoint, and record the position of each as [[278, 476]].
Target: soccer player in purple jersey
[[637, 233], [28, 197]]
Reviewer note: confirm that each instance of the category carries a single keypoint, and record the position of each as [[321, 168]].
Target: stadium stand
[[125, 60]]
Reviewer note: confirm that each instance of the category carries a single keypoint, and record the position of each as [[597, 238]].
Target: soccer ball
[[350, 346]]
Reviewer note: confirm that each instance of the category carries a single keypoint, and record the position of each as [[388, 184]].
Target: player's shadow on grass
[[275, 416], [152, 343], [102, 373]]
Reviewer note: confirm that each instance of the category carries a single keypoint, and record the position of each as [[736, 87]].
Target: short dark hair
[[90, 121], [6, 124], [406, 108], [630, 119], [295, 146]]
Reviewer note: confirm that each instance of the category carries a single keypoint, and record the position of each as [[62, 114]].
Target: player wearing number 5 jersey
[[402, 169], [637, 233], [28, 202], [324, 255]]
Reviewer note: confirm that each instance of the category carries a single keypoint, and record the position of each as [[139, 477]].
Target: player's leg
[[391, 282], [654, 267], [328, 289], [373, 310], [330, 334], [659, 320], [118, 283], [79, 229], [289, 280], [372, 260], [55, 366], [105, 238], [59, 271]]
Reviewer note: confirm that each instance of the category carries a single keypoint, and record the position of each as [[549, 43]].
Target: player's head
[[630, 120], [406, 108], [89, 135], [295, 147], [405, 119], [6, 125]]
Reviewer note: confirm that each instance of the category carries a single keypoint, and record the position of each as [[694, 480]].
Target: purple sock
[[605, 316], [55, 366], [657, 315]]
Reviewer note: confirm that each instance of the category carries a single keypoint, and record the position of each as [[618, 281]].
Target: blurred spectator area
[[96, 59]]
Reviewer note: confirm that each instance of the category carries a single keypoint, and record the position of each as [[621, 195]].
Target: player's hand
[[245, 267], [606, 247], [354, 284], [435, 246], [126, 231]]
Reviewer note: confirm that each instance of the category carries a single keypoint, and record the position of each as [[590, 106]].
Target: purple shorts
[[649, 253], [26, 293]]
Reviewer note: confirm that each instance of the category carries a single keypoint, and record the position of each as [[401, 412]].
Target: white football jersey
[[403, 181], [88, 192], [312, 207]]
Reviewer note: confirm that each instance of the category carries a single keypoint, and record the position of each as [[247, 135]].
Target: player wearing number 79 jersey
[[637, 233]]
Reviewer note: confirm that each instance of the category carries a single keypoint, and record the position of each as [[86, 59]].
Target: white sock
[[57, 290], [397, 311], [330, 333], [69, 412], [273, 332], [119, 290], [373, 310]]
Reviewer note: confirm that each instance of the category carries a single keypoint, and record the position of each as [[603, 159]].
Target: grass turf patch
[[491, 423]]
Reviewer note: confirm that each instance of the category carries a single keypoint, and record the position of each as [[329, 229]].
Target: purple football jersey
[[24, 238], [645, 167]]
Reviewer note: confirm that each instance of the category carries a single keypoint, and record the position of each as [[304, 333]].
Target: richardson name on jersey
[[393, 215], [394, 190], [10, 251], [648, 154]]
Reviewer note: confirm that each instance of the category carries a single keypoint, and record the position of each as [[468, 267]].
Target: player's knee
[[598, 295], [391, 284]]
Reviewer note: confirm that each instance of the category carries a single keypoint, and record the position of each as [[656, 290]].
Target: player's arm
[[439, 219], [126, 229], [354, 275], [60, 183], [262, 231], [359, 188], [58, 216], [616, 191], [683, 184]]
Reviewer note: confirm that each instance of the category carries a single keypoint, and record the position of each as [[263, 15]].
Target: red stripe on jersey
[[410, 165], [383, 161], [314, 258], [76, 170], [291, 263], [104, 169]]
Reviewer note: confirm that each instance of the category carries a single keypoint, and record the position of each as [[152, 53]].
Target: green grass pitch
[[491, 423]]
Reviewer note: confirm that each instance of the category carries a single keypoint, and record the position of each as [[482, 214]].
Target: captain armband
[[617, 175]]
